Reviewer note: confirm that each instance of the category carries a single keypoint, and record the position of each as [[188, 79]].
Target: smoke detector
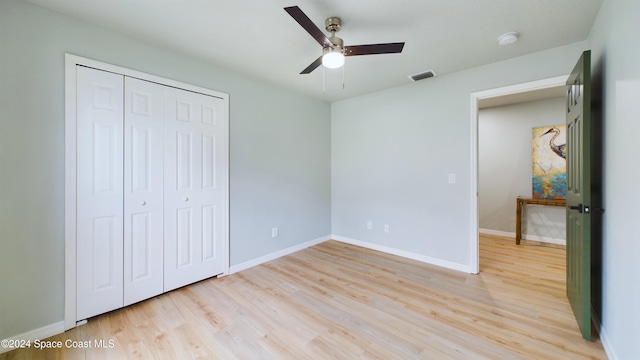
[[508, 38]]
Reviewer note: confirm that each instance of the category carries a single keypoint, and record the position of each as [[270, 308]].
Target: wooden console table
[[522, 201]]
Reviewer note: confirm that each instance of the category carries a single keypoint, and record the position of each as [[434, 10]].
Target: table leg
[[518, 221]]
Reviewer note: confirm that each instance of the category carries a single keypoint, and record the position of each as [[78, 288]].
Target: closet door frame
[[70, 211]]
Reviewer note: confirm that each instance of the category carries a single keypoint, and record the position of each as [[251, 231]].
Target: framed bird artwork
[[549, 162]]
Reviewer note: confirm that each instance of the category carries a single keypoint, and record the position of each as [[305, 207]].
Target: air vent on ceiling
[[423, 75]]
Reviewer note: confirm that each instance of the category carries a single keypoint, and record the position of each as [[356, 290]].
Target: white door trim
[[70, 210], [474, 260]]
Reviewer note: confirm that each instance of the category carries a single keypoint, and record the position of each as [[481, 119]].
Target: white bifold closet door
[[100, 213], [151, 189], [195, 187], [143, 190]]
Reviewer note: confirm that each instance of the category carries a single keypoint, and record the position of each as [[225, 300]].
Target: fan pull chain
[[323, 81], [343, 66]]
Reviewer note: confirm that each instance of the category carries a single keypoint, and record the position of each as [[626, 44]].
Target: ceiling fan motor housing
[[338, 44], [333, 25]]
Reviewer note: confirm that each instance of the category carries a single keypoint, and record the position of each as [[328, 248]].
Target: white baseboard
[[604, 338], [405, 254], [606, 344], [497, 233], [263, 259], [524, 236], [37, 334]]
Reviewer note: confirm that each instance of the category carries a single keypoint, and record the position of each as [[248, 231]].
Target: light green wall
[[616, 61], [279, 154], [392, 152]]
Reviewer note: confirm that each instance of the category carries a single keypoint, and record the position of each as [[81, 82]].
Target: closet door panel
[[99, 218], [144, 188], [195, 187], [215, 178]]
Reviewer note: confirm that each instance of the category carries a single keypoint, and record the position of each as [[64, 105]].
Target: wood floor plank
[[336, 300]]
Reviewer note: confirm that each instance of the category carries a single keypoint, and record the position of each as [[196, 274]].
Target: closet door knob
[[186, 199], [143, 203]]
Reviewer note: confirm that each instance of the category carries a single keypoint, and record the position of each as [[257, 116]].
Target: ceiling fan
[[333, 49]]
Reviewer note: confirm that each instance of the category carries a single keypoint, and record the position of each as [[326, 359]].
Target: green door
[[579, 193]]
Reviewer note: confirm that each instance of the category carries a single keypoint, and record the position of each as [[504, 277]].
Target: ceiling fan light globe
[[333, 60]]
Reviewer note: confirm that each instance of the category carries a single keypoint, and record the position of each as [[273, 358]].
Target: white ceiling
[[259, 39]]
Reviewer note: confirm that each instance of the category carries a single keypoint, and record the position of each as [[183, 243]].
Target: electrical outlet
[[369, 225], [274, 232], [386, 228], [452, 178]]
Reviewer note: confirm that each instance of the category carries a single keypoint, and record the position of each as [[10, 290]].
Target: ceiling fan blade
[[313, 66], [373, 49], [308, 25]]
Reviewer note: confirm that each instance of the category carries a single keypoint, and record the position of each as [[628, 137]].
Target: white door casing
[[474, 240], [99, 191]]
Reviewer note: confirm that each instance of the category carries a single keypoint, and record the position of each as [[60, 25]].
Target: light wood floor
[[341, 301]]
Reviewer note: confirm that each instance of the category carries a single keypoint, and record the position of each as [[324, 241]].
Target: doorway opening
[[496, 97]]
